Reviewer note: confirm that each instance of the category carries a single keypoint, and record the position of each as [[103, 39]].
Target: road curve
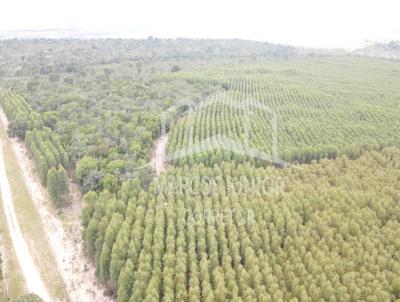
[[31, 274], [158, 158]]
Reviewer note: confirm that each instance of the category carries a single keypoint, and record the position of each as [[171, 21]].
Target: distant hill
[[182, 47], [389, 50]]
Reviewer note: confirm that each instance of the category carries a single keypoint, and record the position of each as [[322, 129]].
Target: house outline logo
[[220, 141]]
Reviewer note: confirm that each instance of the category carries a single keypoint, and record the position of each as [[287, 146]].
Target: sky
[[310, 23]]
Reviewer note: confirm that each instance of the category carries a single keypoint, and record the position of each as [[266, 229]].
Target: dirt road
[[158, 158], [64, 236], [33, 280]]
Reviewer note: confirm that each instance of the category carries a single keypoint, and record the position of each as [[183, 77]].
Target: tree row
[[233, 232]]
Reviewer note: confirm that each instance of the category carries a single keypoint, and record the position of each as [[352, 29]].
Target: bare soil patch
[[158, 157]]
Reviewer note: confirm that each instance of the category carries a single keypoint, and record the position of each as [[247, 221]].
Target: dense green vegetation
[[42, 142], [219, 225], [332, 233], [57, 185], [324, 108], [46, 150], [22, 117]]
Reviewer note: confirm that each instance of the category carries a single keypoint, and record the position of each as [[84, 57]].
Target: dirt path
[[3, 264], [64, 236], [33, 280], [158, 158]]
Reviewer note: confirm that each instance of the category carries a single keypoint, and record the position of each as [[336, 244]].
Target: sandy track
[[158, 159], [3, 265], [33, 280], [76, 271]]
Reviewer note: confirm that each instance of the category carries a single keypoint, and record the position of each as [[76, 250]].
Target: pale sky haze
[[313, 23]]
